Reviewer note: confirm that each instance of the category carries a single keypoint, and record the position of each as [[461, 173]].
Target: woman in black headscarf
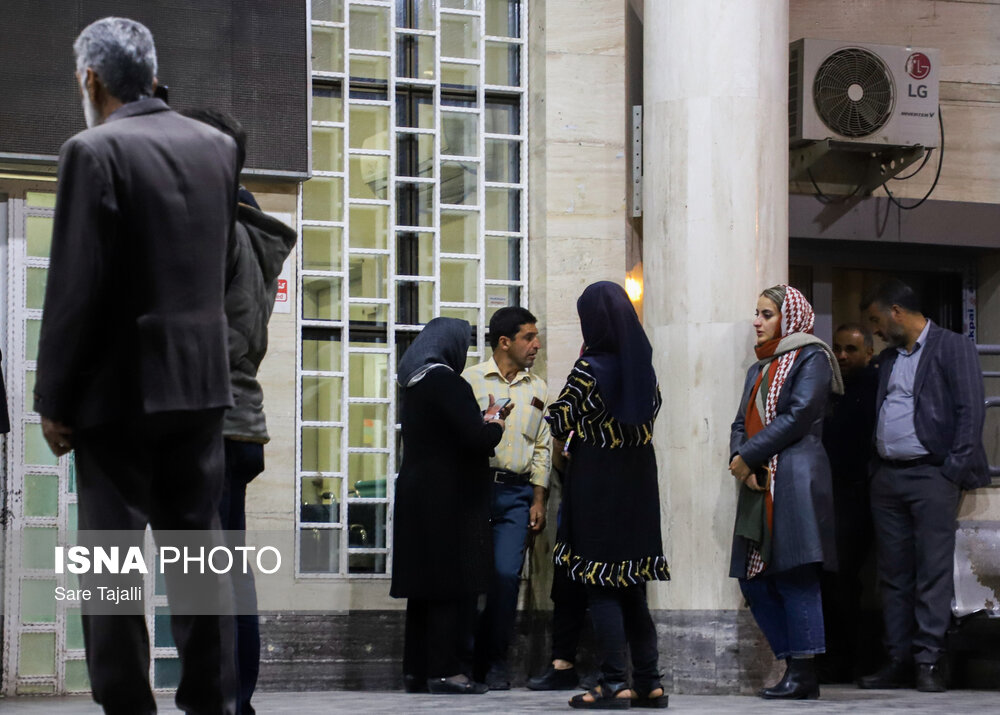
[[609, 536], [442, 554]]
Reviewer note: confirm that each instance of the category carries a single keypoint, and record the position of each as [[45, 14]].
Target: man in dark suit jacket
[[132, 368], [928, 441]]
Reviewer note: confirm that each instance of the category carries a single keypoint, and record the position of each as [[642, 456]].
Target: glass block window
[[416, 208]]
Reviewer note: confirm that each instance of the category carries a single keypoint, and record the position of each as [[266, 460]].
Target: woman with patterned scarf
[[784, 517]]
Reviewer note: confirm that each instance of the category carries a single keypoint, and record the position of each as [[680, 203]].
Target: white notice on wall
[[286, 279]]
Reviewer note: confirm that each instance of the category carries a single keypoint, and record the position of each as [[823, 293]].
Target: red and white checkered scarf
[[776, 358]]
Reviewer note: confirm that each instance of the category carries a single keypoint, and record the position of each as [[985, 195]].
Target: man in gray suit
[[132, 367], [928, 440]]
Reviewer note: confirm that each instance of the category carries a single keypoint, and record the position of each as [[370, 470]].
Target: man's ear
[[95, 88], [896, 312]]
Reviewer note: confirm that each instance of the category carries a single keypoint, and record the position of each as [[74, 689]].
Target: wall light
[[633, 286]]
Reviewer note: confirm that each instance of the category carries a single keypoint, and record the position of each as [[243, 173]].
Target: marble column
[[715, 220]]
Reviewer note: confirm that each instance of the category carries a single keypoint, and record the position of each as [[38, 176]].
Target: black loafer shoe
[[553, 679], [893, 675], [930, 679], [455, 685]]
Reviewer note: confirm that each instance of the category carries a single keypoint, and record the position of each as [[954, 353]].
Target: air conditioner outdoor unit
[[878, 95]]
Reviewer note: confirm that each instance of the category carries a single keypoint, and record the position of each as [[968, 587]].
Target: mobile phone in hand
[[501, 403]]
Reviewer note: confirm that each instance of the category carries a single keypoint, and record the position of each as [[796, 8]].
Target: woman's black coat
[[803, 492], [442, 545]]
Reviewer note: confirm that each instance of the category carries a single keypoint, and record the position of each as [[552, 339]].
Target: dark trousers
[[165, 470], [510, 521], [437, 632], [621, 624], [569, 611], [244, 461], [915, 511], [788, 607], [842, 590]]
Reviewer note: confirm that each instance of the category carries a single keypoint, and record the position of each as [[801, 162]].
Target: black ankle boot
[[798, 683]]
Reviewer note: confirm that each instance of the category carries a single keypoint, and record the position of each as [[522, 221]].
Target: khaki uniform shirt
[[526, 444]]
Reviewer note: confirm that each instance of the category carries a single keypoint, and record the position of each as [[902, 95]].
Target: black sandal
[[645, 701], [603, 699]]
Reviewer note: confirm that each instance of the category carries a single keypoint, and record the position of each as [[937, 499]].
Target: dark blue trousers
[[510, 521], [244, 461], [788, 608]]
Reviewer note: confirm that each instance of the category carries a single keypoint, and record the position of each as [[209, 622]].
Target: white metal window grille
[[417, 207], [43, 650]]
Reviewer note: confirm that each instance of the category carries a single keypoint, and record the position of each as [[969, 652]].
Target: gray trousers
[[914, 511]]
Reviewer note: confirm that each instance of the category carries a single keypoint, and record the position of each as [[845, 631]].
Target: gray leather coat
[[803, 492]]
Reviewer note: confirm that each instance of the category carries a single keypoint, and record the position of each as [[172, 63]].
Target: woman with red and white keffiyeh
[[784, 517]]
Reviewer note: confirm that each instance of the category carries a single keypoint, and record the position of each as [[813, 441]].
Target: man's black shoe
[[553, 679], [497, 679], [894, 674], [930, 679]]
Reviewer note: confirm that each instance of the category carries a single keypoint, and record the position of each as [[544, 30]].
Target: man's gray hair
[[121, 52]]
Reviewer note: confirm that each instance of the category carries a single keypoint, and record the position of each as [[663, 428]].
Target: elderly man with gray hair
[[133, 372]]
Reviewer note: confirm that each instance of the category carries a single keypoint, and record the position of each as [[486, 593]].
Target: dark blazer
[[949, 404], [133, 320], [442, 542], [803, 492], [848, 428]]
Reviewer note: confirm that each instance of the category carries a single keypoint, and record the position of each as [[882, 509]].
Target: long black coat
[[803, 492], [442, 544]]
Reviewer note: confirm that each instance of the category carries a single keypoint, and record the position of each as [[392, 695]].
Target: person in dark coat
[[784, 517], [847, 437], [442, 552], [253, 263], [609, 536]]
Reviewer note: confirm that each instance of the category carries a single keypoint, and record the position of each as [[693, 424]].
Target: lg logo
[[918, 65]]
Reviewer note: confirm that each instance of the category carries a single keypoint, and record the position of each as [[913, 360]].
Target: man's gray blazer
[[134, 320]]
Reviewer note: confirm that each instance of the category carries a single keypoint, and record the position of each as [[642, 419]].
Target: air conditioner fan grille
[[853, 92]]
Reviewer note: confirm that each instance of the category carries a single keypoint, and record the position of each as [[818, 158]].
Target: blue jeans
[[788, 608], [510, 521]]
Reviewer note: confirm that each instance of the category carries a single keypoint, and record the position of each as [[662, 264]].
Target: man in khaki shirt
[[520, 472]]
